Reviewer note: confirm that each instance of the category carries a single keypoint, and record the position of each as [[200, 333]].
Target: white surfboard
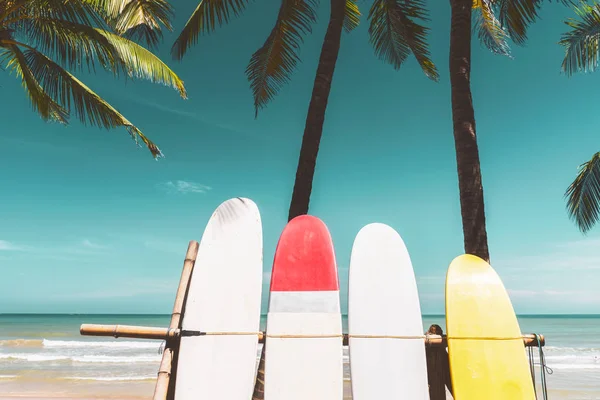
[[224, 296], [383, 301], [304, 353]]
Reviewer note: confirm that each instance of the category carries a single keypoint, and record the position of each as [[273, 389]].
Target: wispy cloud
[[183, 187], [81, 247], [193, 115], [586, 243], [124, 289], [63, 250], [86, 243], [570, 296], [431, 279], [165, 246], [557, 258], [5, 245], [561, 275]]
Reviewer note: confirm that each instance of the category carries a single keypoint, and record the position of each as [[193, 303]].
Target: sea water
[[44, 356]]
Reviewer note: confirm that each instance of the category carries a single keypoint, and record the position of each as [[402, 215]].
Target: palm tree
[[515, 16], [581, 54], [393, 32], [394, 35], [41, 40]]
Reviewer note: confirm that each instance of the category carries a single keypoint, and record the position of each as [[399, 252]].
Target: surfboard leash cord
[[543, 368]]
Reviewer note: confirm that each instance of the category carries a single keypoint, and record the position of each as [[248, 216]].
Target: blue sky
[[90, 223]]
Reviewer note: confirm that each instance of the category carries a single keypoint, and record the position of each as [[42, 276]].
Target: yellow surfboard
[[486, 352]]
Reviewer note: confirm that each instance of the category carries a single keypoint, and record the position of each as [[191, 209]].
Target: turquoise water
[[46, 353]]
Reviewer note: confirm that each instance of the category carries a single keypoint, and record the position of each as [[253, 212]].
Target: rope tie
[[187, 333], [234, 333], [387, 336], [543, 368], [304, 336], [532, 368], [483, 338]]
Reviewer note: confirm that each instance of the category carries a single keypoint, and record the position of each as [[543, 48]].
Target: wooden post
[[161, 389], [165, 386], [438, 370]]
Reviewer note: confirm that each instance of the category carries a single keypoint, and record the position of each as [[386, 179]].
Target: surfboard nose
[[304, 258]]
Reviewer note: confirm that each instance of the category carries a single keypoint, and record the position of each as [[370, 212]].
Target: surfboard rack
[[435, 341], [149, 332]]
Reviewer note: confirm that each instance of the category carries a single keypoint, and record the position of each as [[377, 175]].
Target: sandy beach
[[129, 391], [144, 391]]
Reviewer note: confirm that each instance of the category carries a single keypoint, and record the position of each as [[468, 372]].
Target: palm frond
[[10, 8], [74, 11], [139, 20], [270, 66], [41, 102], [582, 41], [76, 45], [489, 30], [395, 35], [70, 92], [352, 18], [72, 45], [583, 195], [205, 19], [141, 63], [517, 15], [108, 8]]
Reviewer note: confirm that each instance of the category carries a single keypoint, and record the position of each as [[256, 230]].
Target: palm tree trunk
[[313, 131], [465, 138], [316, 111]]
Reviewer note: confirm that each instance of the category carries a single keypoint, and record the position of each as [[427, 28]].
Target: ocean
[[44, 356]]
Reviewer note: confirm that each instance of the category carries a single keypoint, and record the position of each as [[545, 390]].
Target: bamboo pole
[[146, 332], [161, 388], [164, 387], [129, 331]]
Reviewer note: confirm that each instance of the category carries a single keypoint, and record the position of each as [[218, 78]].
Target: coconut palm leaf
[[76, 45], [270, 66], [583, 195], [517, 15], [139, 20], [10, 8], [75, 11], [14, 59], [71, 93], [77, 35], [141, 63], [395, 35], [489, 30], [582, 41], [205, 19], [72, 45], [352, 15]]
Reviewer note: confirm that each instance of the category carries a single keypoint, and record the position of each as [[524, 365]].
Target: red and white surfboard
[[304, 324]]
